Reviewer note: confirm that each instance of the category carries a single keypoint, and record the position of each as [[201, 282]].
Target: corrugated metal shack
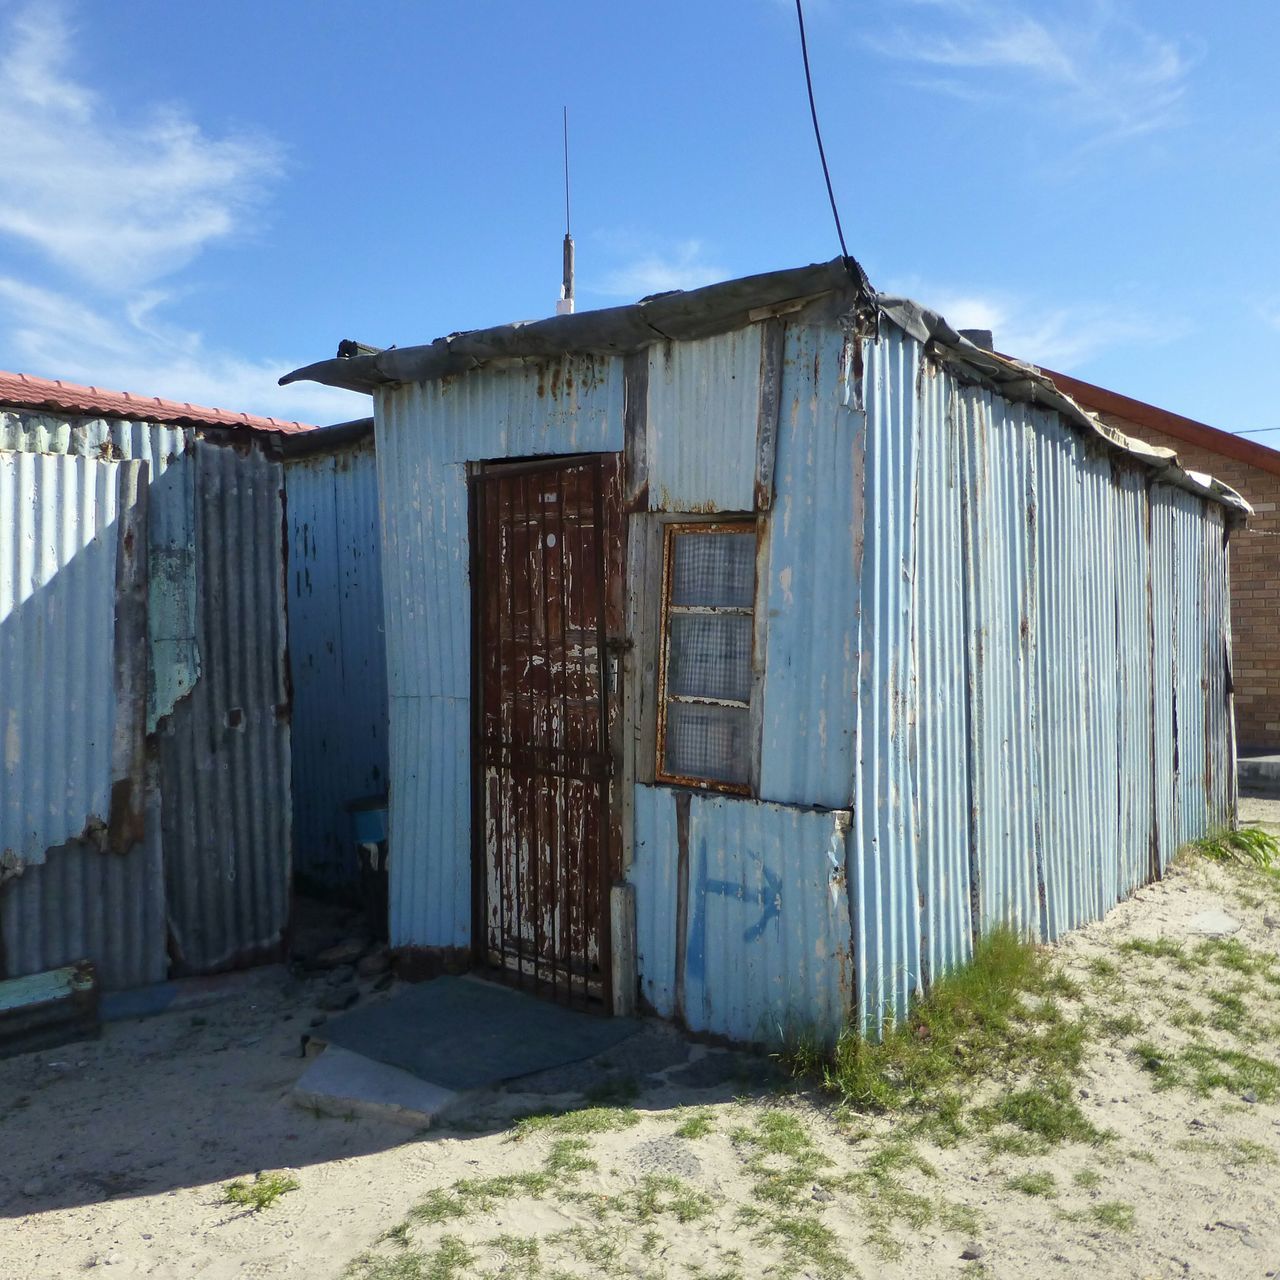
[[145, 798], [755, 648], [337, 653]]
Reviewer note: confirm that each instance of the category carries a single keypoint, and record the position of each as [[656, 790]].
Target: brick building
[[1254, 471]]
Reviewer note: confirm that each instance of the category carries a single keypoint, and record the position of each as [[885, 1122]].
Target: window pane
[[710, 655], [714, 569], [707, 742]]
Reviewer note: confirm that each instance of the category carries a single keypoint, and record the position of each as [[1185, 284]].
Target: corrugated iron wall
[[337, 656], [1070, 613], [227, 541], [62, 520], [426, 435], [224, 752], [757, 947]]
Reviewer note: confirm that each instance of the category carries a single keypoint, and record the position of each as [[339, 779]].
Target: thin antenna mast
[[565, 306]]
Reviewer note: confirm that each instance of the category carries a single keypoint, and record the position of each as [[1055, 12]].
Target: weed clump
[[261, 1193], [1001, 1012], [1245, 846]]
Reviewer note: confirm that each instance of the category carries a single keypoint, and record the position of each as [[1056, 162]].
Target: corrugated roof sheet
[[733, 304], [22, 391]]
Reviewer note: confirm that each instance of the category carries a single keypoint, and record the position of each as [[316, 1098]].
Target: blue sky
[[199, 198]]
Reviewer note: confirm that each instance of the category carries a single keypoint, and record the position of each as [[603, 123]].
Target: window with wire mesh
[[708, 622]]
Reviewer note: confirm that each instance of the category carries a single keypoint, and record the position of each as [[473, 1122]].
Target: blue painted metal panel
[[337, 655], [811, 602], [999, 585], [1162, 685], [767, 944], [1190, 574], [654, 873], [1027, 614], [426, 435], [940, 762], [1136, 675], [61, 522], [703, 411], [884, 870]]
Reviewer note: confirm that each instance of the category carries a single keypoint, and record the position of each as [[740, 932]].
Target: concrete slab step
[[341, 1083]]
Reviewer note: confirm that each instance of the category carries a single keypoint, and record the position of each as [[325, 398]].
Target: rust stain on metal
[[547, 603]]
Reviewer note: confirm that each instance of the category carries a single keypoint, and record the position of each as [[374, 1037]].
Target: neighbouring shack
[[337, 660], [753, 649], [145, 804]]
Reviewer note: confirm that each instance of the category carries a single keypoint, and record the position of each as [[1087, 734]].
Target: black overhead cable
[[817, 133]]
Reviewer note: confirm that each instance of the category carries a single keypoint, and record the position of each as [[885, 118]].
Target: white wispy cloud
[[1064, 336], [1089, 62], [116, 201], [61, 336], [646, 269], [107, 205]]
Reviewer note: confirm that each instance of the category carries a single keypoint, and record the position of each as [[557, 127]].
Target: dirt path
[[117, 1152]]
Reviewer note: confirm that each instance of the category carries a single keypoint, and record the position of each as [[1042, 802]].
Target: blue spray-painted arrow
[[768, 898]]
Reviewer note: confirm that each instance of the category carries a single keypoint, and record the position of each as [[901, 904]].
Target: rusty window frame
[[671, 530]]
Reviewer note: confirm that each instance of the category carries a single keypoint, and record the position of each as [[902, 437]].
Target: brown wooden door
[[546, 600]]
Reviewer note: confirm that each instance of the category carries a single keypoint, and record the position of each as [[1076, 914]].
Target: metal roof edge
[[1214, 439], [1019, 381], [325, 439], [678, 315]]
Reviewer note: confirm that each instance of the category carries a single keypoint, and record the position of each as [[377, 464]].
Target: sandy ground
[[116, 1152]]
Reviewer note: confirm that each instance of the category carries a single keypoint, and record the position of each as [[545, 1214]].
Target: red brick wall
[[1255, 586]]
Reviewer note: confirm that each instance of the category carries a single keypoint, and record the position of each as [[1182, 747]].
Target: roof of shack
[[22, 391], [732, 304]]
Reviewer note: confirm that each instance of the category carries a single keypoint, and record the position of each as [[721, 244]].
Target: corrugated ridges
[[57, 646], [767, 956], [337, 654], [714, 384], [426, 435], [810, 600], [224, 753]]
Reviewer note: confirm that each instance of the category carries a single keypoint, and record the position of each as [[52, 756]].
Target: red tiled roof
[[1100, 400], [22, 391]]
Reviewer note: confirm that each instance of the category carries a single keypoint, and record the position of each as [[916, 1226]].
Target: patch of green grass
[[1159, 1063], [1245, 846], [470, 1196], [1236, 1151], [1042, 1184], [1004, 1142], [522, 1250], [696, 1125], [452, 1260], [261, 1193], [566, 1158], [1046, 1110], [1212, 1068], [781, 1158], [997, 1013], [1089, 1179], [596, 1248], [1113, 1214], [1120, 1026], [1159, 949], [1231, 1013], [589, 1120], [807, 1242], [663, 1193], [1104, 968]]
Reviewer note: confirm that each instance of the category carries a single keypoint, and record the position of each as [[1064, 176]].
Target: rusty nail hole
[[235, 718]]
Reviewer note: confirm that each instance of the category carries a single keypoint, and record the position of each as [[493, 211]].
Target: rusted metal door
[[546, 605]]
